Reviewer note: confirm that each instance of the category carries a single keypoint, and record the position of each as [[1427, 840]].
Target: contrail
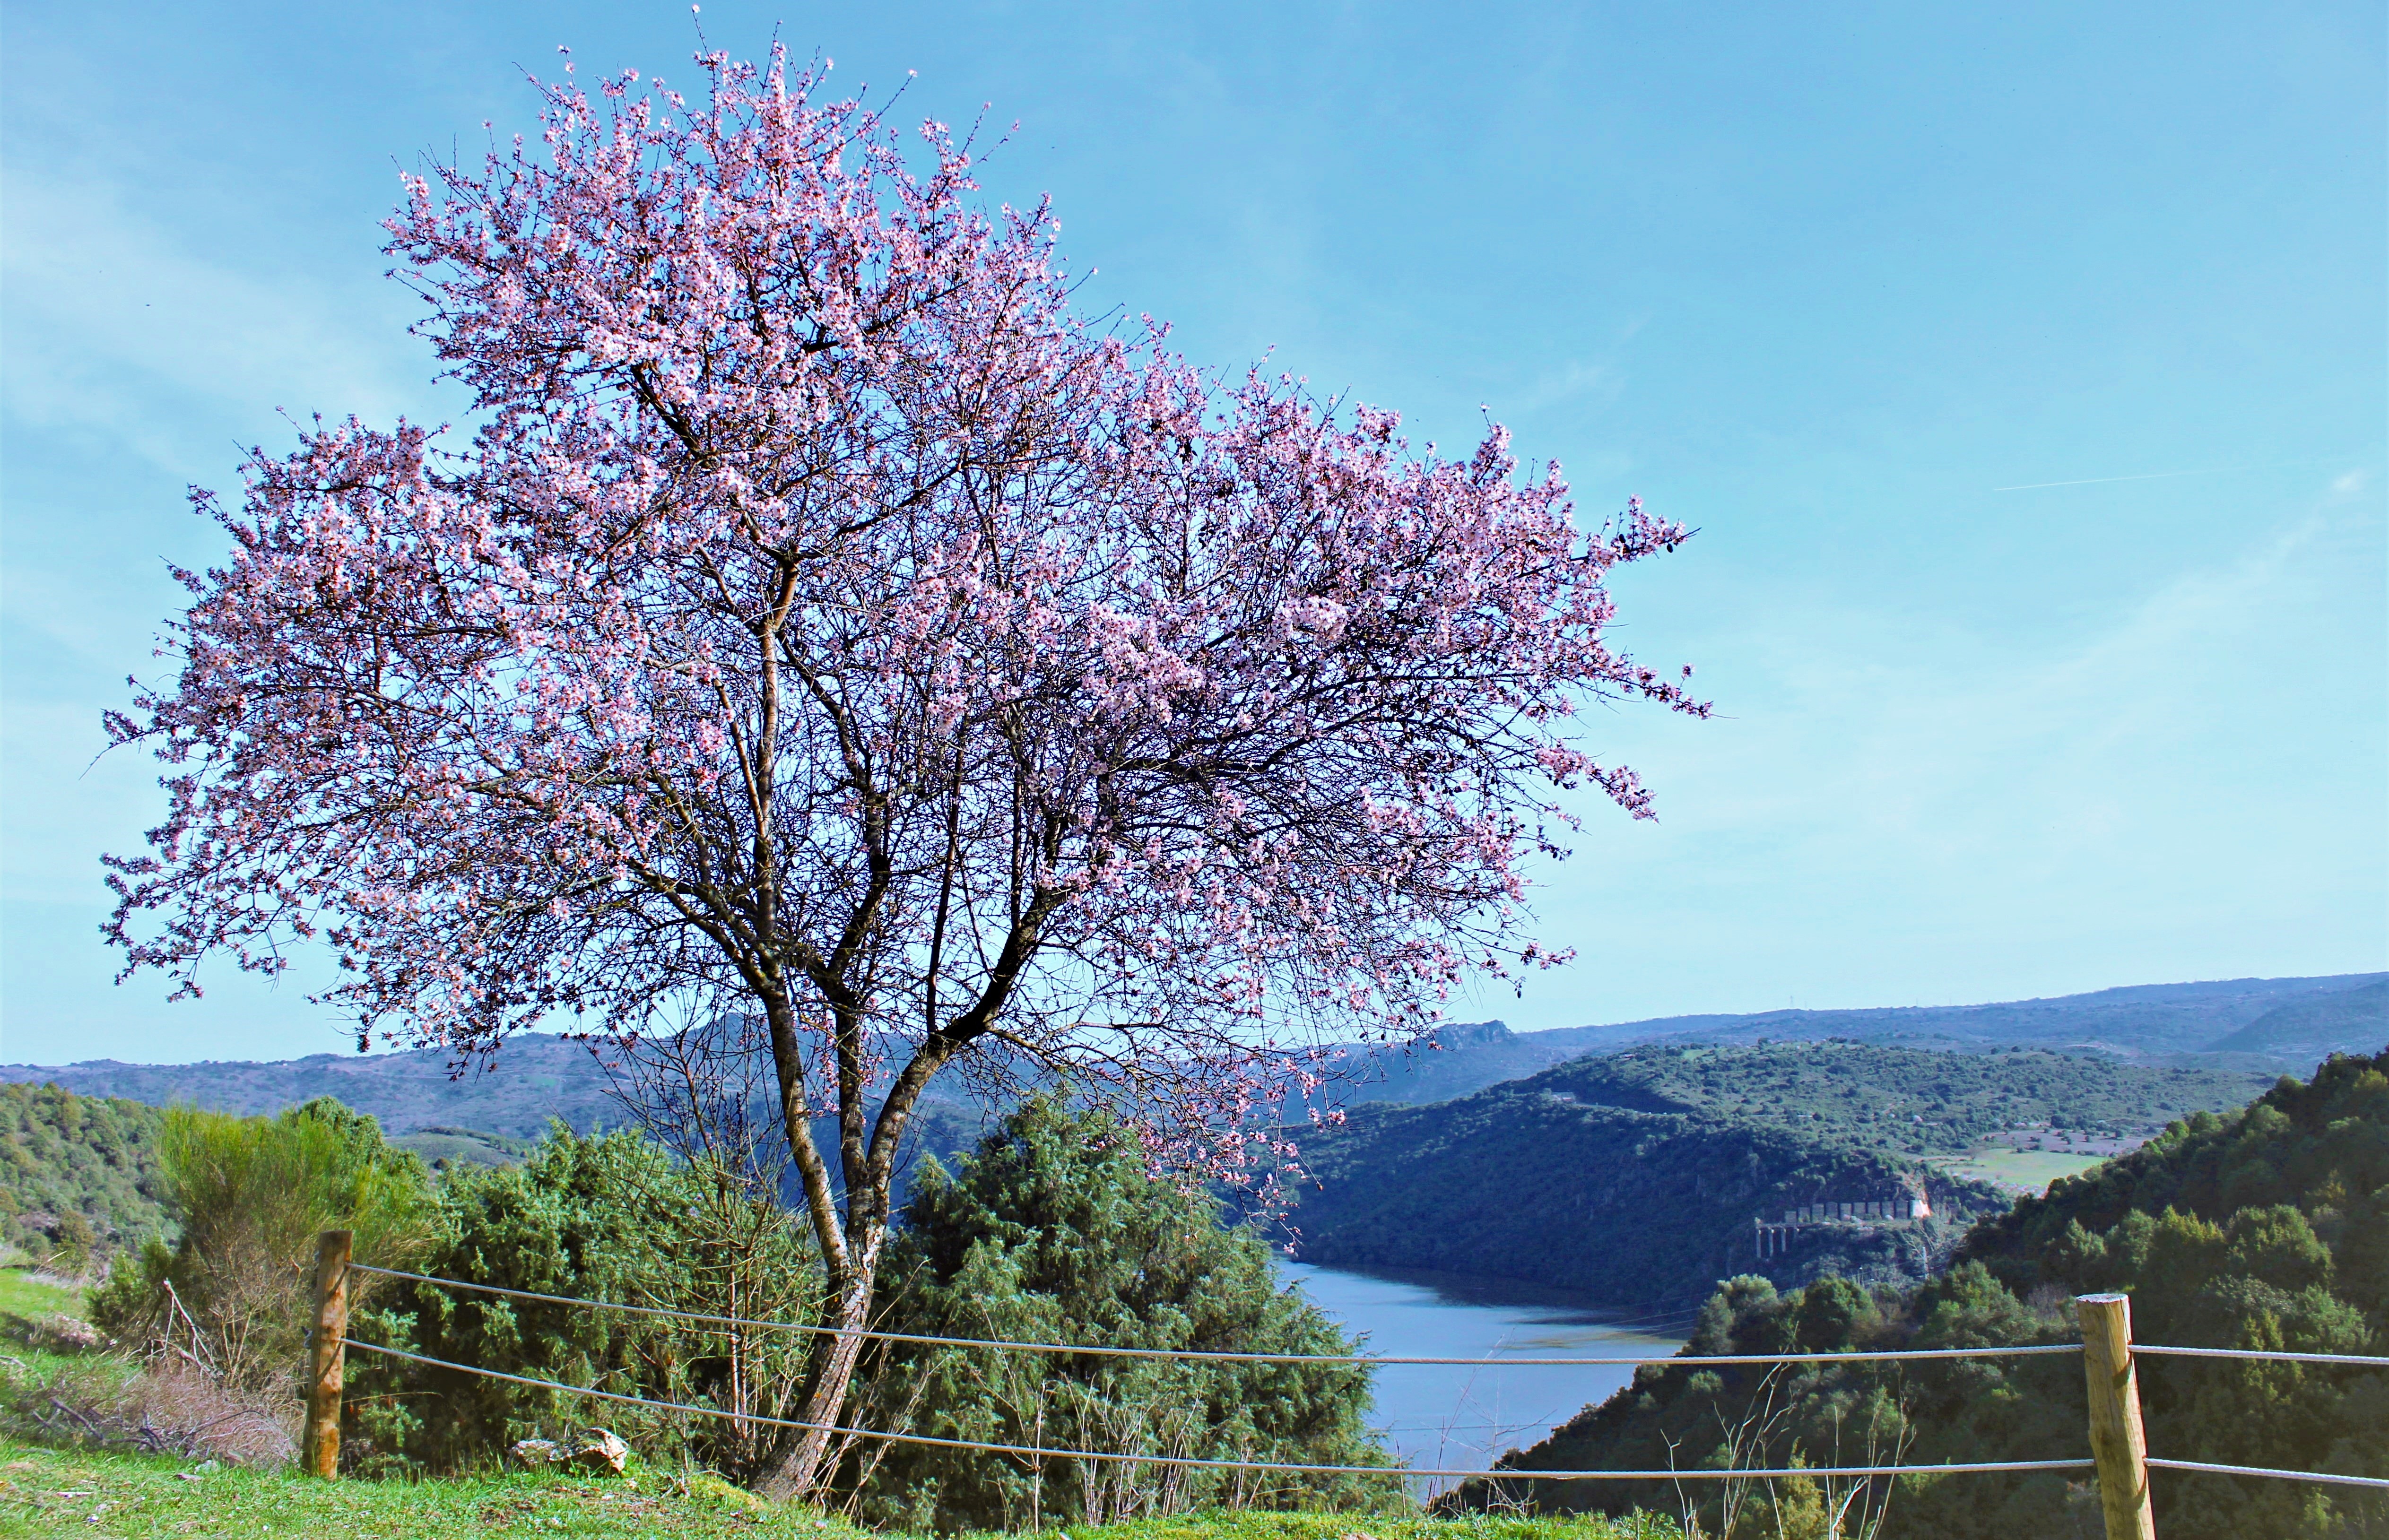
[[2168, 475], [2101, 480]]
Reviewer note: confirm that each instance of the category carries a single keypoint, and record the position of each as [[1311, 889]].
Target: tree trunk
[[802, 1472], [849, 1248]]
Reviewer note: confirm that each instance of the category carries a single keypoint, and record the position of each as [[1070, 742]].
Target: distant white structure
[[1906, 1207]]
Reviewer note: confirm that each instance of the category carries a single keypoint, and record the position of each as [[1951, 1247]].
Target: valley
[[1636, 1172], [1603, 1205]]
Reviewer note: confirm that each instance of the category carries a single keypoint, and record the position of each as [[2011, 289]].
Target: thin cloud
[[2102, 480], [2168, 475], [1921, 801], [119, 330]]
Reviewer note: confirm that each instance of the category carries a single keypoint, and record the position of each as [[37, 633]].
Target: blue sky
[[2022, 367]]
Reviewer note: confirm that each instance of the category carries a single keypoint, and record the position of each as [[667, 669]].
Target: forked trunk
[[804, 1470], [849, 1245]]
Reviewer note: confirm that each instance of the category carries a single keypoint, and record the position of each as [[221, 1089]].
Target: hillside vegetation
[[2267, 1228], [1916, 1101], [1627, 1207], [441, 1145], [81, 1171], [1635, 1177]]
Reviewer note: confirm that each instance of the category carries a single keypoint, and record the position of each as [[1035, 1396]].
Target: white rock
[[602, 1452]]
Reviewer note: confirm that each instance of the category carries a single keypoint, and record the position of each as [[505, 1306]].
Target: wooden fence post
[[2117, 1440], [319, 1451]]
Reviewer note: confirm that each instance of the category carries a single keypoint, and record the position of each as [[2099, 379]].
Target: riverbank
[[46, 1491]]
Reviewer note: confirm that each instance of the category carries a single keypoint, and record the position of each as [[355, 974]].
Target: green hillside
[[1636, 1178], [77, 1161], [1916, 1101], [45, 1490], [440, 1146], [2265, 1229]]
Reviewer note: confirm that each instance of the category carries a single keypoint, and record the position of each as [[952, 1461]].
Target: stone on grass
[[602, 1453]]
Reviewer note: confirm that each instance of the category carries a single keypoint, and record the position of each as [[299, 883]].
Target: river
[[1456, 1416]]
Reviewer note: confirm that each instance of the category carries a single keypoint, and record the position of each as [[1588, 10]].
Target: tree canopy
[[824, 620]]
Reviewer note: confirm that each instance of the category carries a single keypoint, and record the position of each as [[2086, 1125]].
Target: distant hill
[[1464, 1057], [1911, 1101], [2311, 1027], [441, 1145], [532, 1079], [2141, 1023], [1637, 1176], [2272, 1025], [2277, 1025]]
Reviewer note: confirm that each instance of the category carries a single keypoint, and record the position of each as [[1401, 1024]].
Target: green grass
[[1343, 1526], [2025, 1170], [45, 1490], [19, 1295]]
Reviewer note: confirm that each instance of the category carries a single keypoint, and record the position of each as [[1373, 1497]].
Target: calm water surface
[[1465, 1415]]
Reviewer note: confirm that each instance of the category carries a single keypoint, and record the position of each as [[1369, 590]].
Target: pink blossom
[[826, 623]]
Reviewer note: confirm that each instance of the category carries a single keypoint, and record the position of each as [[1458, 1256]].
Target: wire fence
[[1189, 1461], [2324, 1476], [2261, 1356], [1406, 1472]]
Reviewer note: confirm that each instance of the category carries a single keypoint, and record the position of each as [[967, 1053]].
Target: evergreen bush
[[1054, 1232], [614, 1218]]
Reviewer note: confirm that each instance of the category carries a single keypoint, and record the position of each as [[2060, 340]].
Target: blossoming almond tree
[[825, 622]]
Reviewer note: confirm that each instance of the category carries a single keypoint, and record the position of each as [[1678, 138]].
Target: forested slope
[[80, 1171], [1612, 1183], [1636, 1176], [2266, 1229], [1916, 1101]]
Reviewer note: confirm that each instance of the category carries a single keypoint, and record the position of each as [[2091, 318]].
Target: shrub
[[98, 1401], [614, 1218], [251, 1193], [1053, 1231]]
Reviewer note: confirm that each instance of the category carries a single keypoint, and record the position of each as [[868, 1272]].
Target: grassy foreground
[[46, 1491]]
